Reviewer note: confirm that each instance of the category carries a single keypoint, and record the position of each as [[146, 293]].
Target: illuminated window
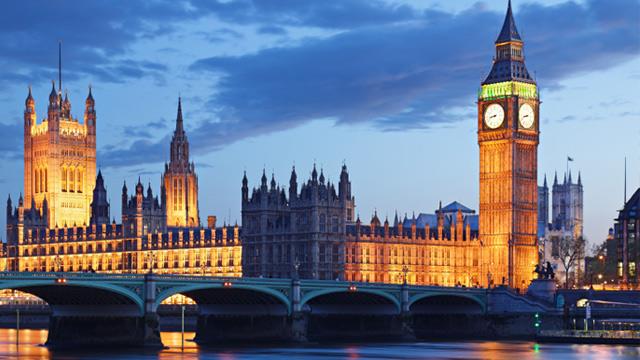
[[37, 181], [632, 268], [46, 178], [71, 180], [64, 178]]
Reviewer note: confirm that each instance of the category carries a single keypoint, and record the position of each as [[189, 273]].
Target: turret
[[100, 212], [53, 111], [263, 181], [90, 113], [344, 187], [124, 196], [321, 176], [314, 174], [29, 110], [66, 107], [273, 181], [245, 188], [9, 208], [579, 179], [293, 185]]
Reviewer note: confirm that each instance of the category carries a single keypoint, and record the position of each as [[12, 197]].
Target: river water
[[29, 347]]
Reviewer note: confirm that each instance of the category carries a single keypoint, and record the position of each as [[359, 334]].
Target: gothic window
[[37, 181], [335, 224], [64, 178], [323, 220], [80, 179], [71, 180]]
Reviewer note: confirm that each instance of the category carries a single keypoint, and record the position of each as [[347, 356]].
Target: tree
[[571, 250]]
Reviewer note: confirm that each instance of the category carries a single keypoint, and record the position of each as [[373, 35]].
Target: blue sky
[[387, 86]]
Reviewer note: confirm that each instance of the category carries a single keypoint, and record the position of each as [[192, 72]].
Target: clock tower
[[508, 136]]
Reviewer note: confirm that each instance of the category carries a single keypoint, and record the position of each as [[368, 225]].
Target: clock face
[[526, 116], [494, 116]]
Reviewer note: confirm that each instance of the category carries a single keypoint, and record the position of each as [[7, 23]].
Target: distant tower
[[100, 213], [508, 136], [567, 206], [344, 193], [60, 159], [543, 208], [180, 180]]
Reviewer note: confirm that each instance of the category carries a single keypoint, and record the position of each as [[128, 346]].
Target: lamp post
[[150, 258], [296, 267], [58, 262], [600, 280], [405, 270]]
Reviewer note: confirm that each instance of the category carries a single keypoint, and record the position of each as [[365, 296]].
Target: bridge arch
[[213, 293], [78, 293], [358, 300], [446, 303]]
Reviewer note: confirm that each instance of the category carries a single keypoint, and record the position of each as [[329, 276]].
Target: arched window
[[37, 181], [71, 179], [64, 178], [46, 178], [78, 180], [323, 221]]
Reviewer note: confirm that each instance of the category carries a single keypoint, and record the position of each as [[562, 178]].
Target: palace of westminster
[[309, 230]]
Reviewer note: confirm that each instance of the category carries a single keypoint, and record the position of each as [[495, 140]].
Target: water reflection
[[29, 346]]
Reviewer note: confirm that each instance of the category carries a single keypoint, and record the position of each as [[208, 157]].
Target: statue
[[549, 274], [538, 270]]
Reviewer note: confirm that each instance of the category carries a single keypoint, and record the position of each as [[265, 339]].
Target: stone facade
[[566, 224], [305, 229], [60, 159], [508, 137], [46, 234]]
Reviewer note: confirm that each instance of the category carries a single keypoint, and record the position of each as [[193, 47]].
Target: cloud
[[97, 36], [324, 14], [391, 66]]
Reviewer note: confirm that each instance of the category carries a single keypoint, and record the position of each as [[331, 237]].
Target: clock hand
[[525, 116], [492, 116]]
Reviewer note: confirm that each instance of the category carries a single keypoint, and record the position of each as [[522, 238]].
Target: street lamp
[[150, 258], [58, 261]]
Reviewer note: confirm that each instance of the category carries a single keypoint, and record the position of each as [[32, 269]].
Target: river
[[29, 347]]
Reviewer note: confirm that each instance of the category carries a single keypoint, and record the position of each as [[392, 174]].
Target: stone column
[[151, 321], [298, 317], [405, 314]]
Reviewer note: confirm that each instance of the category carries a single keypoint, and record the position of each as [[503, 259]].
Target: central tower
[[180, 183], [508, 136]]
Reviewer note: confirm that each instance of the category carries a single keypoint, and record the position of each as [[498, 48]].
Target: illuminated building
[[311, 234], [49, 231], [180, 183], [508, 136], [60, 160], [432, 249]]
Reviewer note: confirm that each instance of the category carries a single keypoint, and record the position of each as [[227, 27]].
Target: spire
[[273, 181], [509, 31], [90, 101], [53, 96], [579, 179], [570, 181], [245, 181], [555, 179], [263, 180], [314, 173], [124, 187], [545, 181], [321, 176], [179, 123], [29, 101], [395, 219]]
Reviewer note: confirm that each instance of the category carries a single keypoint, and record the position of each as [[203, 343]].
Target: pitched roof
[[455, 206], [509, 31]]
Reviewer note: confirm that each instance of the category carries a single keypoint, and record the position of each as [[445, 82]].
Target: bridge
[[102, 309]]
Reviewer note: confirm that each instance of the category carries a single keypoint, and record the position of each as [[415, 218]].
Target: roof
[[631, 209], [509, 31], [455, 206]]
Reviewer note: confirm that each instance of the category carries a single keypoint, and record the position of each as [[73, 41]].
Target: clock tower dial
[[494, 116], [508, 135], [526, 116]]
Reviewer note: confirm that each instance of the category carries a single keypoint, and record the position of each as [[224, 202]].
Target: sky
[[386, 86]]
